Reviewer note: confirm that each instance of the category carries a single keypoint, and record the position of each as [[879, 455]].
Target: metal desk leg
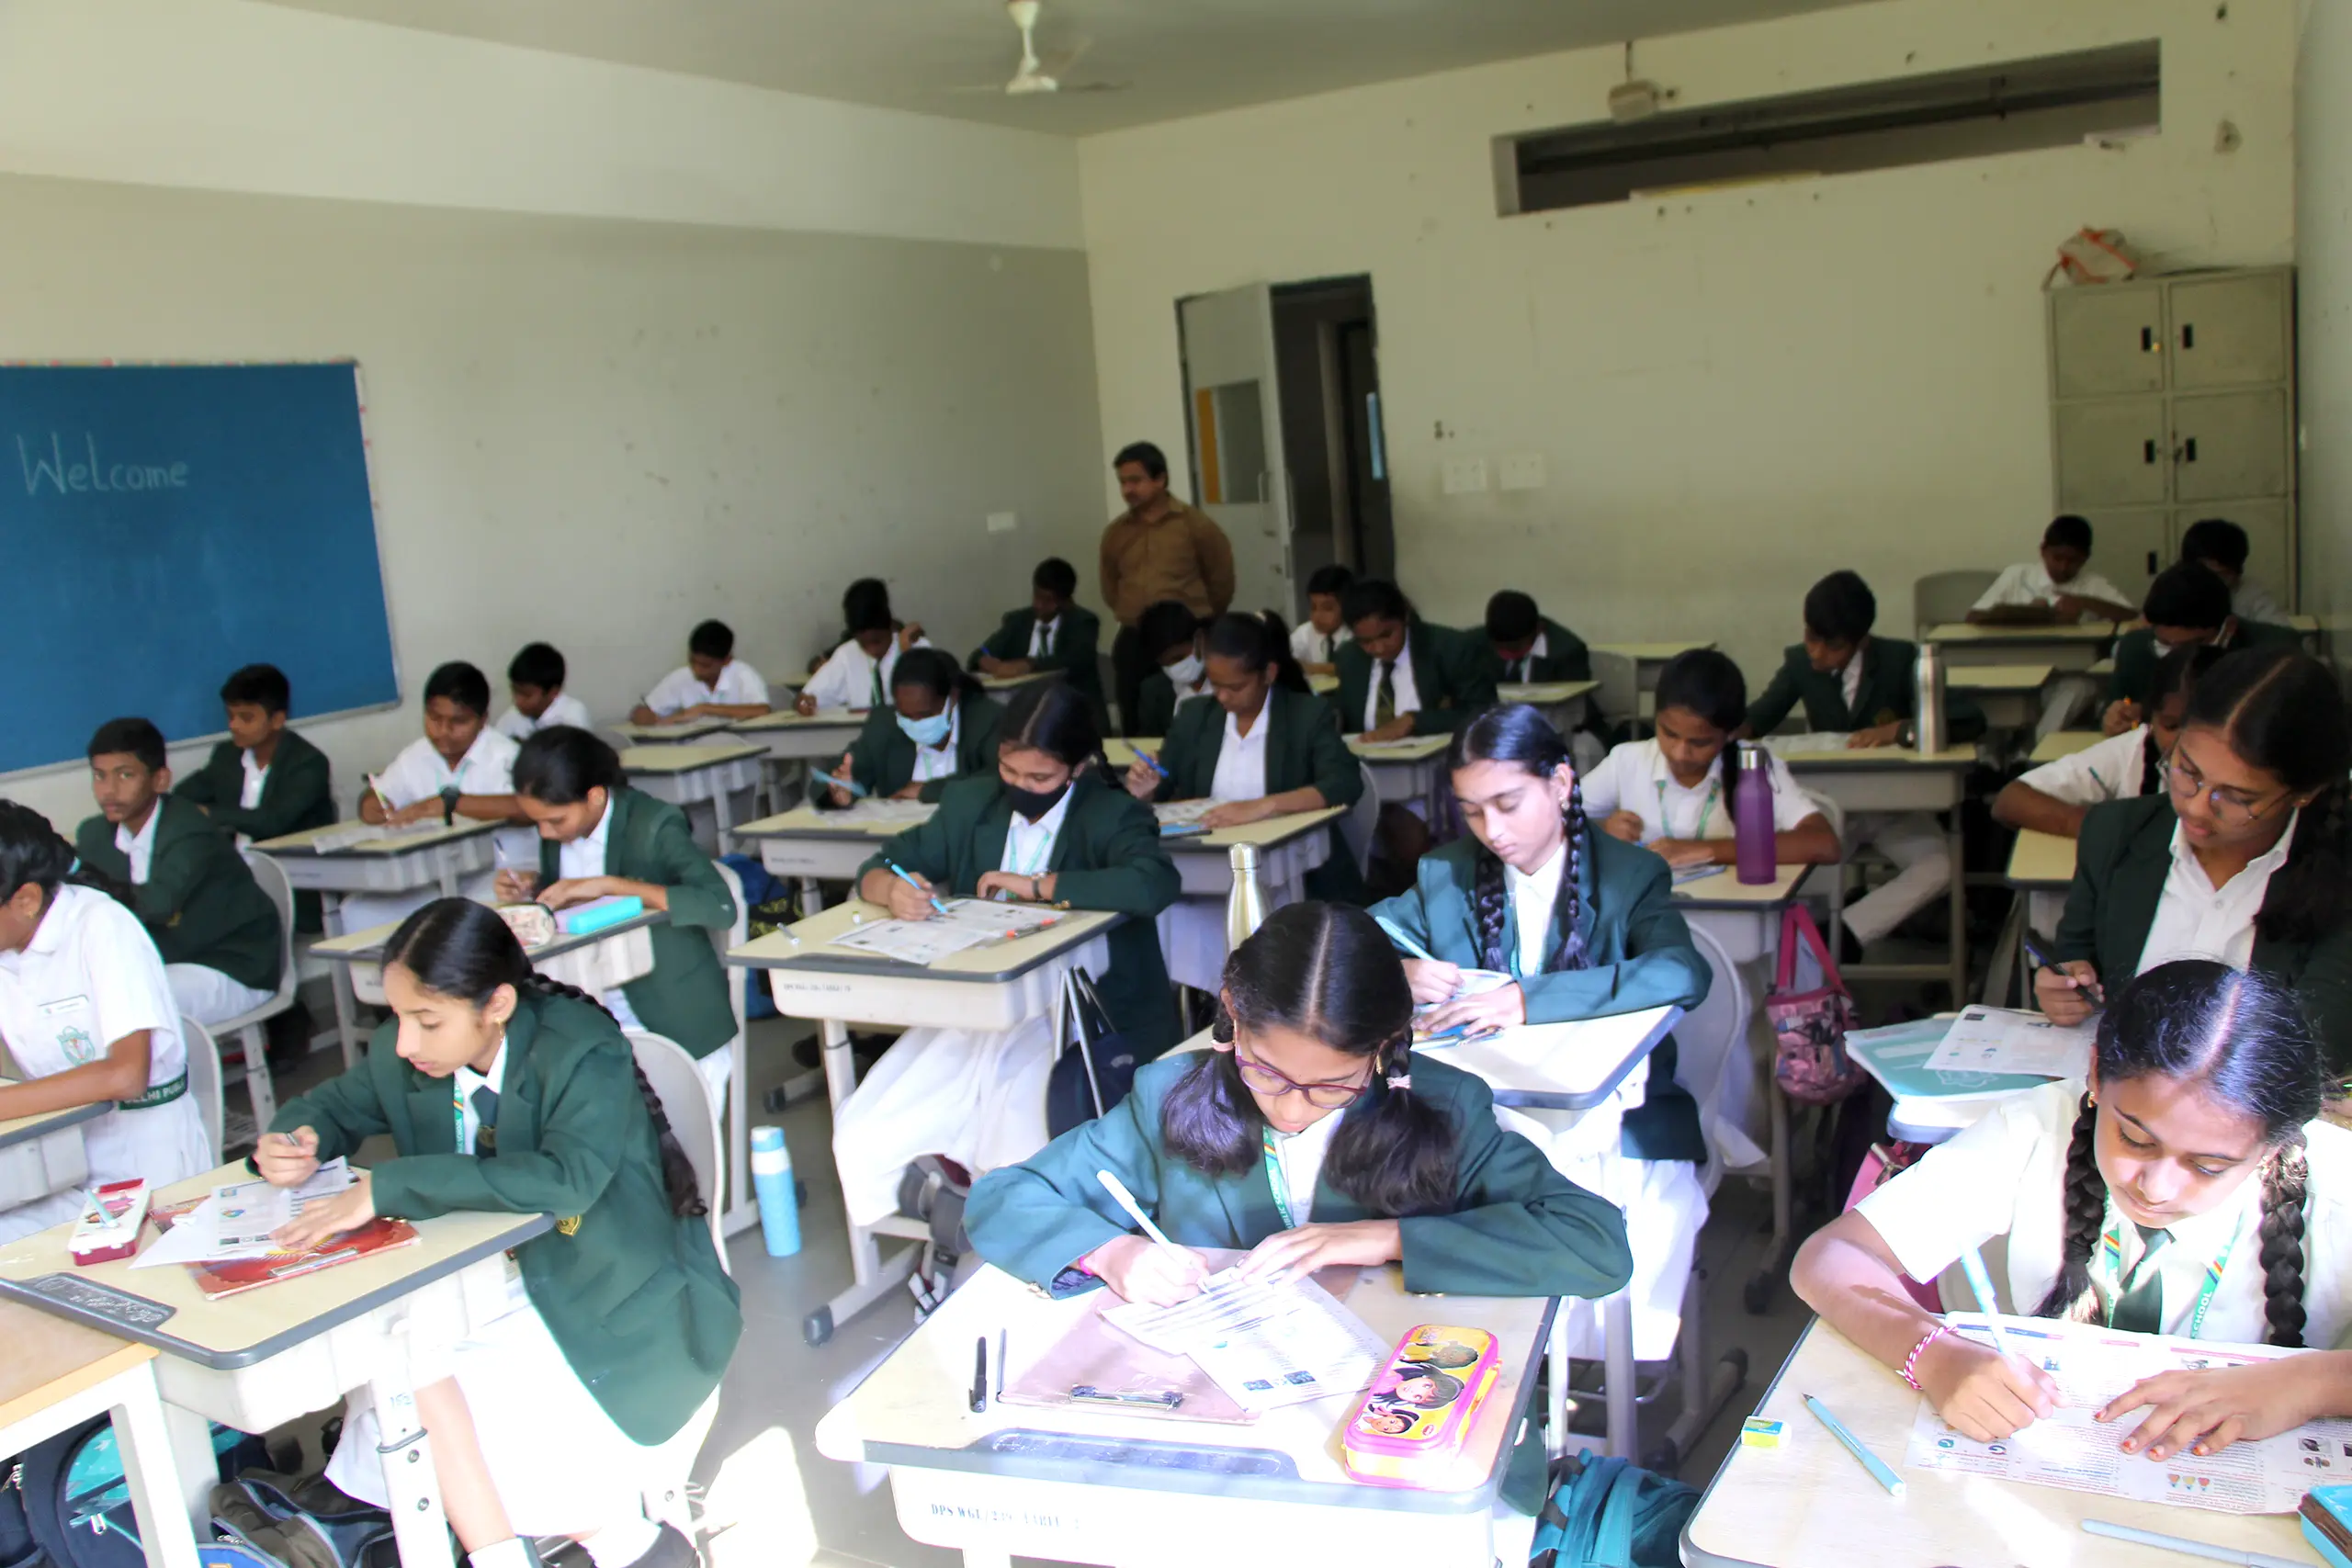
[[1958, 896], [875, 1277], [1757, 1293], [742, 1209], [187, 1438], [1555, 1397], [722, 810], [419, 1524], [346, 1005], [1625, 1415], [812, 896], [143, 1438], [2007, 964], [449, 881]]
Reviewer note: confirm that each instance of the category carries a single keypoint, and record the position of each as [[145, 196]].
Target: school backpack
[[1096, 1070], [772, 904], [78, 1504], [1809, 1060], [1603, 1513]]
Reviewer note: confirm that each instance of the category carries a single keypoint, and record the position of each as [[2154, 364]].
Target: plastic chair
[[248, 1027], [1360, 826], [1942, 597], [743, 1209], [204, 1078], [1618, 699], [1711, 1043]]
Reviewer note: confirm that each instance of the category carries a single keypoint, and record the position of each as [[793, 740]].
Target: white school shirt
[[846, 679], [89, 976], [1635, 777], [256, 780], [2005, 1174], [2112, 770], [2028, 583], [419, 773], [739, 686], [582, 857], [939, 761], [1029, 846], [1301, 1158], [1041, 637], [2195, 920], [1407, 693], [1242, 760], [1518, 671], [2249, 601], [1534, 896], [567, 709], [1311, 646], [1849, 682], [139, 847]]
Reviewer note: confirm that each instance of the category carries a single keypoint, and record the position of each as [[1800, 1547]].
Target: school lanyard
[[1706, 808], [2111, 1255], [457, 1116], [1013, 843], [1276, 1179]]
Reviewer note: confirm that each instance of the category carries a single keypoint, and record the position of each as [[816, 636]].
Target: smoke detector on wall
[[1636, 97]]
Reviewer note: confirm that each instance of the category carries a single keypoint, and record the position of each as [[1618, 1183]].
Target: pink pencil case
[[1410, 1426]]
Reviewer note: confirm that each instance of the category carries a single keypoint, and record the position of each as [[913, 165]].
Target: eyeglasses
[[1269, 1080], [2184, 783]]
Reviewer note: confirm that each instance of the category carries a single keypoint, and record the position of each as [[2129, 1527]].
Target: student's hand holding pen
[[1626, 825], [1141, 781], [286, 1159], [511, 887], [1140, 1269], [2120, 715], [841, 796], [2069, 992], [1432, 980]]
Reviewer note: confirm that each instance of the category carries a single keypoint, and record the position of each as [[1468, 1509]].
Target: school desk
[[1080, 1485], [795, 744], [813, 846], [688, 776], [1809, 1503], [2060, 744], [1565, 702], [1191, 930], [41, 1155], [679, 734], [595, 962], [1896, 778], [1014, 683], [2104, 667], [57, 1375], [1322, 685], [434, 857], [1408, 772], [257, 1361], [998, 985], [1120, 753], [1649, 658], [2038, 863], [2009, 695], [2063, 648]]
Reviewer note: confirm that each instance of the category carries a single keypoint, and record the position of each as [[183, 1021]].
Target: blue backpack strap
[[1612, 1533]]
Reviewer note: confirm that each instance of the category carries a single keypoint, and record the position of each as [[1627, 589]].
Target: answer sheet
[[1265, 1345], [2092, 1365], [237, 1221], [1998, 1040]]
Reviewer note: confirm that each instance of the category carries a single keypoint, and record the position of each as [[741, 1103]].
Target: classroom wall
[[1734, 391], [590, 422], [2324, 255]]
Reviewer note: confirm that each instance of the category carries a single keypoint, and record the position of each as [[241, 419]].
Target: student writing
[[1578, 925], [1053, 633], [217, 931], [713, 684], [940, 727], [506, 1093], [1315, 643], [460, 767], [88, 1017], [1526, 645], [1402, 676], [534, 681], [600, 838], [1047, 827], [2222, 548], [1171, 638], [1313, 1136], [857, 673], [264, 780], [2185, 606], [2057, 589], [1673, 793], [2241, 857], [2186, 1187]]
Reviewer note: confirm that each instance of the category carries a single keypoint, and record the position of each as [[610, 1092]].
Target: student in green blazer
[[600, 838], [1053, 633], [1580, 925], [2185, 606], [1310, 1134], [1402, 676], [1525, 647], [1171, 637], [939, 727], [216, 928], [1295, 763], [2255, 806], [503, 1093], [297, 788]]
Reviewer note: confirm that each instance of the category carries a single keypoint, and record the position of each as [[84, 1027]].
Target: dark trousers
[[1130, 666]]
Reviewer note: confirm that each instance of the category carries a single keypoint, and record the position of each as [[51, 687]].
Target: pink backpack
[[1810, 1063]]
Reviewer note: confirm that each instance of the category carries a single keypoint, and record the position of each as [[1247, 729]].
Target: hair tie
[[1402, 1080], [75, 869]]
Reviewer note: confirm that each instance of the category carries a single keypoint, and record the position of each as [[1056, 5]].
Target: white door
[[1234, 410]]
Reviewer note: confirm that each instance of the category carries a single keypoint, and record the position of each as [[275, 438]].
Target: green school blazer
[[1888, 691], [2137, 654], [200, 902], [1516, 1226], [297, 793], [633, 1294], [2120, 864], [1107, 856], [1303, 747], [1565, 657], [1156, 704], [684, 996], [883, 759], [1076, 646], [1450, 675], [1638, 942]]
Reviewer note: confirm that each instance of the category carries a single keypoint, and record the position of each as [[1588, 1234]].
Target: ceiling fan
[[1038, 75]]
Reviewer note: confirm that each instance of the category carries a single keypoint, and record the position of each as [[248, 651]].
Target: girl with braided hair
[[1310, 1134], [1578, 925], [2244, 855], [507, 1092], [2184, 1188]]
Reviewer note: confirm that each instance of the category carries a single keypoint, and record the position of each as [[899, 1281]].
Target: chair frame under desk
[[44, 1154], [997, 985]]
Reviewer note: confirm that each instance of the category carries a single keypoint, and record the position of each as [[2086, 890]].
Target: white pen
[[1126, 1199], [2238, 1554]]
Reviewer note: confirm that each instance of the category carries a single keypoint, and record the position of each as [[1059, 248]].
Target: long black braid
[[2084, 1192], [1518, 734], [678, 1179]]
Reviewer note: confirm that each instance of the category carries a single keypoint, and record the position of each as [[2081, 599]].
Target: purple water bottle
[[1752, 818]]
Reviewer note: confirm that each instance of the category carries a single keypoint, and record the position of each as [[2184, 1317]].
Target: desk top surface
[[21, 1129], [788, 719], [1412, 748], [1545, 693], [1651, 652], [1725, 888], [668, 734], [407, 842], [2041, 860], [2063, 743], [802, 946], [1998, 677], [686, 759], [1961, 631], [49, 1358], [1845, 760], [367, 946]]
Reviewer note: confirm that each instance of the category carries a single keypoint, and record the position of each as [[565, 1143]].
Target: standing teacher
[[1158, 548]]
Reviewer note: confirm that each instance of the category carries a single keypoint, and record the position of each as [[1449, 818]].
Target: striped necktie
[[1384, 698], [2141, 1308]]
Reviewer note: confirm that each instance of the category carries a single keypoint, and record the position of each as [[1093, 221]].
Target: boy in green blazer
[[2186, 606], [1402, 676], [1525, 647], [216, 928], [1170, 637], [1054, 633], [940, 727], [266, 780], [502, 1092]]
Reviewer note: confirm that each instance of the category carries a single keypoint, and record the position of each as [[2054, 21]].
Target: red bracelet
[[1911, 1361]]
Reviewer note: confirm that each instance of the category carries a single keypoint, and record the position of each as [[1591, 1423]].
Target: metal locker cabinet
[[2230, 445], [2107, 340], [2269, 535], [2112, 452], [2230, 331], [2129, 547]]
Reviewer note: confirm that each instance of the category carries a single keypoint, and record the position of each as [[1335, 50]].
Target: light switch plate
[[1464, 476], [1524, 472], [1002, 522]]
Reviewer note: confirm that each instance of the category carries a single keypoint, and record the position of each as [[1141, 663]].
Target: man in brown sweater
[[1158, 548]]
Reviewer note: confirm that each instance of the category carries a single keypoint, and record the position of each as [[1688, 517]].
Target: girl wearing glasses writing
[[1310, 1134], [2241, 857]]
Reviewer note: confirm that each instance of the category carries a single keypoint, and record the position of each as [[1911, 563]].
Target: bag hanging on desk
[[1097, 1066], [1809, 1060], [1603, 1513]]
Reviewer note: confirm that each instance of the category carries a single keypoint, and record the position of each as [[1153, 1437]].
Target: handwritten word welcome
[[54, 470]]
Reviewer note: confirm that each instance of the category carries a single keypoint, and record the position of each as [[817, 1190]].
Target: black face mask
[[1035, 802]]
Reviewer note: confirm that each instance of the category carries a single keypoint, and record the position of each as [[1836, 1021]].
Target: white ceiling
[[1180, 57]]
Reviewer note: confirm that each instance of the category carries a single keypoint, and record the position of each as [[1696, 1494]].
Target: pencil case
[[2327, 1519], [1409, 1427], [595, 917], [533, 924], [103, 1238]]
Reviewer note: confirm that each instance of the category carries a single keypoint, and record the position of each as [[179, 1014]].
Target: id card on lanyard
[[2110, 1256], [1276, 1179], [1706, 808]]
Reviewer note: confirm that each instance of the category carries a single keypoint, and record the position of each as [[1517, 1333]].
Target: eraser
[[1756, 1432]]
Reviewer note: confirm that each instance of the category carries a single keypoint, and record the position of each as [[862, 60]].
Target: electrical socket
[[1464, 476]]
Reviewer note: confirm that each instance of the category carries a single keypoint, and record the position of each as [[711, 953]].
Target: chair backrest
[[685, 1101], [1360, 826], [272, 878], [732, 938], [1711, 1039], [204, 1079], [1944, 596], [1619, 698]]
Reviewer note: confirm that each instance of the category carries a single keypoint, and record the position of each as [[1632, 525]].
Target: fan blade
[[1096, 87], [1059, 65]]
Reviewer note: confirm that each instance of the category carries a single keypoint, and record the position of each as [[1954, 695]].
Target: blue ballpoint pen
[[1412, 949], [901, 873]]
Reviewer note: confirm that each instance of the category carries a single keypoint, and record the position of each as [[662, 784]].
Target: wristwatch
[[449, 806], [1909, 734]]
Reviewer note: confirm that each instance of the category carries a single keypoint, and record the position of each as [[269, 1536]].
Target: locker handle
[[2152, 563], [2147, 340], [2188, 335], [2188, 450], [2147, 451]]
